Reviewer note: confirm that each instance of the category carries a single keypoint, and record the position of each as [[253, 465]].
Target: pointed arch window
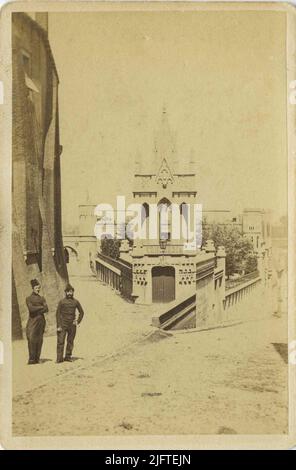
[[185, 219], [165, 219], [145, 216]]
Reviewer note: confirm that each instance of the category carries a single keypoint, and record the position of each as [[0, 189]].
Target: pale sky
[[222, 78]]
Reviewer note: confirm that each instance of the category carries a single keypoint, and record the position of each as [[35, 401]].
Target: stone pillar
[[280, 269], [98, 245], [124, 251], [279, 295], [268, 267], [210, 247], [138, 248], [260, 265], [221, 263], [124, 246]]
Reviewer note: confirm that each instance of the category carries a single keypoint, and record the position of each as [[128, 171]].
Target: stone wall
[[205, 301], [81, 254], [37, 245], [248, 300]]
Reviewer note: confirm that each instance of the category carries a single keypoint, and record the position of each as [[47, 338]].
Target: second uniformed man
[[67, 323]]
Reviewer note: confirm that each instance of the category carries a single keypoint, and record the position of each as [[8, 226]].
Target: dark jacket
[[66, 312], [36, 305]]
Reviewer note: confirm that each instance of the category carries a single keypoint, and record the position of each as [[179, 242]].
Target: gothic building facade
[[164, 266], [166, 263]]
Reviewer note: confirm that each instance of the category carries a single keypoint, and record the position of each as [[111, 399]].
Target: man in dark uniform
[[36, 323], [67, 323]]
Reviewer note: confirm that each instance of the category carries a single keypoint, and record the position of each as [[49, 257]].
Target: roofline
[[217, 210], [254, 210]]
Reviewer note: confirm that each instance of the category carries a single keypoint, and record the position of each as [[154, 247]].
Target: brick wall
[[36, 190]]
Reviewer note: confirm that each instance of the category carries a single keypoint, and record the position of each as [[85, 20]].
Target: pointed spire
[[164, 147], [165, 127]]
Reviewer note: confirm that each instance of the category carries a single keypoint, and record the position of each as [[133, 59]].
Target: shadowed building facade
[[37, 247]]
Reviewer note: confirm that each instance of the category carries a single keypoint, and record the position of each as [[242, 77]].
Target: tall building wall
[[36, 187]]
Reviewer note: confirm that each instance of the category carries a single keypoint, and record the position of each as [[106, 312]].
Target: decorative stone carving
[[209, 246], [124, 246], [164, 175]]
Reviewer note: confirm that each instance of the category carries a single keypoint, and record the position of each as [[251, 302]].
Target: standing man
[[67, 323], [36, 323]]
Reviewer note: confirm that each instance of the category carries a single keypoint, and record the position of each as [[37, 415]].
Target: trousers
[[35, 330], [68, 331]]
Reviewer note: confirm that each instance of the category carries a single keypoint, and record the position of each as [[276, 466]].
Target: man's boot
[[68, 359]]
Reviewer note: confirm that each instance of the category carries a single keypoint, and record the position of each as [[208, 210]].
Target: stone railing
[[117, 274], [231, 283], [177, 314], [240, 291], [169, 250]]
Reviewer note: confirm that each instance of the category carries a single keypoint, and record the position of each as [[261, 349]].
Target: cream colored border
[[291, 138], [132, 442]]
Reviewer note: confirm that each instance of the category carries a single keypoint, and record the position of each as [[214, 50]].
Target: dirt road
[[227, 380]]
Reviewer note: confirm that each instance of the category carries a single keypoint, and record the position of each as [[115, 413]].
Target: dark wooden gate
[[163, 284]]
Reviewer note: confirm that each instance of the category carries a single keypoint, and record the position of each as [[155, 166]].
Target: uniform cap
[[34, 283], [69, 287]]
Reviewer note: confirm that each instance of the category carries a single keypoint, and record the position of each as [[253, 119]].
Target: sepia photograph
[[150, 222]]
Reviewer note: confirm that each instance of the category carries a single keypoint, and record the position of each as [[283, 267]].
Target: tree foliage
[[240, 257], [250, 263], [110, 247]]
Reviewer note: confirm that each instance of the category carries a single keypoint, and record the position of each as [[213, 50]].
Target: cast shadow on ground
[[76, 358]]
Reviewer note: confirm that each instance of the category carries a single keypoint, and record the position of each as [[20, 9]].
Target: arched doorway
[[163, 284], [71, 257]]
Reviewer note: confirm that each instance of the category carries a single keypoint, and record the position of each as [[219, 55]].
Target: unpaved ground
[[227, 380], [110, 323]]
